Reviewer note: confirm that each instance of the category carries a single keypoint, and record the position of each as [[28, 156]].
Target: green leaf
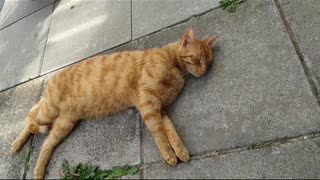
[[132, 171], [110, 176], [117, 172], [65, 164], [102, 174], [90, 175], [230, 5], [195, 17], [65, 167], [231, 8], [74, 170], [223, 2]]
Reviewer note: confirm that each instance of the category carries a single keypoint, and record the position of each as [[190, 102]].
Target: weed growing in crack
[[230, 5], [88, 171]]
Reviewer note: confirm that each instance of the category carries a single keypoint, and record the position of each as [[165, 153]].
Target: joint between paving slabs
[[29, 152], [141, 145], [314, 85], [131, 18], [25, 17], [45, 45], [259, 145], [27, 156], [177, 23]]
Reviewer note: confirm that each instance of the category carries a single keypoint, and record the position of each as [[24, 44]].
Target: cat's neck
[[176, 60]]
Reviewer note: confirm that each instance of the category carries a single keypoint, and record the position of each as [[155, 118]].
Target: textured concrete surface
[[22, 47], [149, 16], [254, 92], [14, 10], [303, 17], [14, 105], [293, 160], [80, 29], [113, 141]]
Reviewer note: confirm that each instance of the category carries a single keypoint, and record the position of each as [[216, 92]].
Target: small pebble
[[275, 151]]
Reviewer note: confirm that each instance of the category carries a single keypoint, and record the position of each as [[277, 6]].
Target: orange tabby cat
[[149, 80]]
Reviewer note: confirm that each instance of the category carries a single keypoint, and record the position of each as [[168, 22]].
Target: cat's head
[[195, 54]]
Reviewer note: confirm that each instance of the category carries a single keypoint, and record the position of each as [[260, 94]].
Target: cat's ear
[[211, 39], [188, 37]]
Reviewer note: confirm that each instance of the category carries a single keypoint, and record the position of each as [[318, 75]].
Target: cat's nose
[[203, 70]]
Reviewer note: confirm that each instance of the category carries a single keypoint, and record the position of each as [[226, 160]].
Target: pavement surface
[[255, 114]]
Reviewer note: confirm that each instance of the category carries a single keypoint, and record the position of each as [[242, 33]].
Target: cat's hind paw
[[171, 160], [184, 156], [38, 173], [15, 147]]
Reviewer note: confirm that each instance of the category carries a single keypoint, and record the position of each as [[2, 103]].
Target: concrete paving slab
[[255, 91], [297, 160], [22, 47], [14, 10], [303, 17], [149, 16], [15, 103], [113, 141], [80, 29]]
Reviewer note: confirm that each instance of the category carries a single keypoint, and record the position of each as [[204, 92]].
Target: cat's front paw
[[171, 159]]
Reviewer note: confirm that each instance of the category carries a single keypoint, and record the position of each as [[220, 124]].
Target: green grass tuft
[[88, 171], [230, 5]]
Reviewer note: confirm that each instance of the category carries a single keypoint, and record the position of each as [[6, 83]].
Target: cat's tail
[[34, 127], [40, 118], [38, 129]]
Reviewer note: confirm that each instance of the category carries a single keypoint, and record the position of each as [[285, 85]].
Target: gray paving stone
[[1, 4], [14, 105], [149, 16], [255, 91], [294, 160], [113, 141], [22, 47], [80, 29], [14, 10], [303, 17]]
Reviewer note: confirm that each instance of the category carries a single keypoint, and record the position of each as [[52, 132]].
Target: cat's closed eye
[[196, 61], [190, 62], [193, 61]]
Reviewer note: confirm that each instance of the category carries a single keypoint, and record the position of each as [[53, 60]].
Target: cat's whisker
[[187, 75]]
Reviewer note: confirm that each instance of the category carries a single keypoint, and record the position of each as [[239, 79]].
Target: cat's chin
[[197, 75]]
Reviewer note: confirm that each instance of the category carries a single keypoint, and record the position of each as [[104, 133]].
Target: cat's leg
[[25, 134], [151, 115], [19, 142], [174, 139], [60, 129]]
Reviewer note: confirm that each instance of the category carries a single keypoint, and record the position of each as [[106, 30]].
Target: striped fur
[[148, 80]]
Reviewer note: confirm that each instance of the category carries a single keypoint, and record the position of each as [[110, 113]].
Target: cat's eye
[[196, 61], [187, 62]]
